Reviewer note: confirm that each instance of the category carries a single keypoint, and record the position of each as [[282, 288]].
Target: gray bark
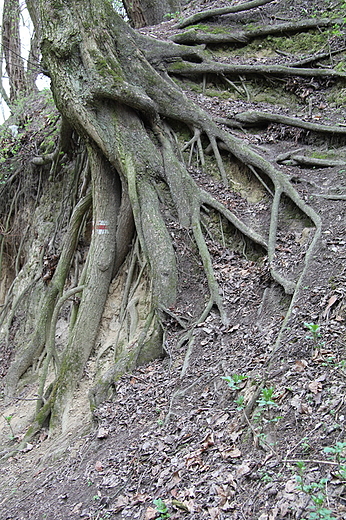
[[150, 12]]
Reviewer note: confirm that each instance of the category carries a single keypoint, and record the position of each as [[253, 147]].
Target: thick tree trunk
[[107, 88], [12, 49], [150, 12]]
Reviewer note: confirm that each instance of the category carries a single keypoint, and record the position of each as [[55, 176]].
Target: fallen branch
[[330, 196]]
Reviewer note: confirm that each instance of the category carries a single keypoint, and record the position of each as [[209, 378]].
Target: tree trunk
[[107, 87], [150, 12], [12, 50]]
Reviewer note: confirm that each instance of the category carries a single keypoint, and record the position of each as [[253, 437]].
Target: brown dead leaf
[[139, 499], [232, 453], [98, 465], [102, 433], [121, 502], [214, 513], [208, 441], [150, 513], [243, 469], [331, 302], [274, 514], [235, 435], [300, 365], [290, 486], [296, 402], [221, 420], [227, 506], [315, 387], [305, 408], [225, 493], [193, 459], [180, 505]]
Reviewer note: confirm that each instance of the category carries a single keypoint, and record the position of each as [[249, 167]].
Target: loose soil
[[174, 429]]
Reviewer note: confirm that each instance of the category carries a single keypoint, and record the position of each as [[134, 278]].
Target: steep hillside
[[237, 418]]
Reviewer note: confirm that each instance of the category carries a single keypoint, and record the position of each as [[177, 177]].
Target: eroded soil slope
[[268, 441]]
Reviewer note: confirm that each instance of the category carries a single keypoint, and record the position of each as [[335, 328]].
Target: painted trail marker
[[101, 227]]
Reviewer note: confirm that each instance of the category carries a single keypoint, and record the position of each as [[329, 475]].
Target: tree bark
[[150, 12], [108, 87], [12, 50]]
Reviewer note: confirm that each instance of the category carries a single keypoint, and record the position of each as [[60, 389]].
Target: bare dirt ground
[[252, 446]]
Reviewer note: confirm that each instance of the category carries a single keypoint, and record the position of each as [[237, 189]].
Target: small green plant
[[161, 508], [317, 493], [306, 447], [8, 420], [314, 328], [266, 398], [234, 380], [265, 476], [240, 402], [338, 453], [171, 16]]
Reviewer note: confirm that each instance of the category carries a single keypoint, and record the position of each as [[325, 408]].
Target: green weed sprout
[[316, 492], [234, 380], [338, 453], [266, 399], [8, 420], [315, 330], [240, 402], [161, 508]]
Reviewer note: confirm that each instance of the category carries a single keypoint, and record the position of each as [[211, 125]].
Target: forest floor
[[177, 432]]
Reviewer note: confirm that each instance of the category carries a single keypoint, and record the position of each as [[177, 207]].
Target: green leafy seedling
[[316, 492], [240, 402], [161, 508], [337, 452], [8, 420], [315, 330], [234, 380], [266, 398]]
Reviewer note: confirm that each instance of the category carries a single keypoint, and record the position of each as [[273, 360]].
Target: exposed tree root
[[198, 36], [50, 346], [212, 67], [37, 342], [121, 105], [316, 57], [309, 162], [253, 118]]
